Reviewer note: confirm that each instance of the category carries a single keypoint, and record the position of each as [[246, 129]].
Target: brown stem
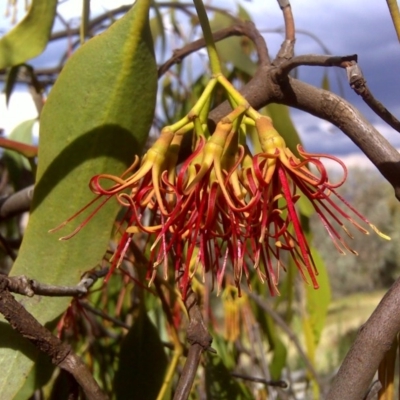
[[199, 339], [359, 85], [239, 29], [312, 60], [61, 353], [286, 51], [29, 287], [16, 203], [374, 339]]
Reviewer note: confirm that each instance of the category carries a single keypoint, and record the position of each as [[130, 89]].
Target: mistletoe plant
[[217, 213]]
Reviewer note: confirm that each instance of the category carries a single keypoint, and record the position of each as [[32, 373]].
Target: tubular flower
[[224, 208], [283, 179]]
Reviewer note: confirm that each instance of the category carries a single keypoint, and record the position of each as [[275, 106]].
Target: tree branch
[[61, 353], [374, 339], [30, 287], [359, 85], [286, 51], [312, 60], [16, 203], [199, 339], [239, 29]]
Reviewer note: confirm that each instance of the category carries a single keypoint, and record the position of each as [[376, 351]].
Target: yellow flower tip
[[133, 229], [349, 234], [382, 235], [57, 227]]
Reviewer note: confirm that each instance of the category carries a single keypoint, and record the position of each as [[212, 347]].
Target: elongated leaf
[[29, 38], [16, 153], [325, 82], [12, 76], [10, 82], [395, 14], [142, 362], [318, 300], [96, 119], [313, 322]]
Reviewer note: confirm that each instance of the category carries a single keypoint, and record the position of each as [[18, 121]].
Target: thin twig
[[30, 287], [16, 203], [103, 315], [61, 353], [280, 384], [313, 60], [373, 340], [359, 85], [286, 51], [239, 29], [200, 340]]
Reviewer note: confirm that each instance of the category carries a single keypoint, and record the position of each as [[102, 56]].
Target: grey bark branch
[[61, 353], [30, 287], [16, 203], [373, 340], [239, 29], [200, 340]]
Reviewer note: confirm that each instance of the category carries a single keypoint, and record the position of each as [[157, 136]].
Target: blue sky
[[345, 27]]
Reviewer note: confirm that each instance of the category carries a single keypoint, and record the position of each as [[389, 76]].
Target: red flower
[[224, 208]]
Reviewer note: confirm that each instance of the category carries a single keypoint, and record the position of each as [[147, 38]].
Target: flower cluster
[[225, 208]]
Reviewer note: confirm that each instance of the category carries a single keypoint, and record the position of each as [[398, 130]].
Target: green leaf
[[10, 82], [316, 310], [318, 300], [38, 377], [325, 82], [96, 118], [16, 151], [142, 362], [29, 38], [12, 79]]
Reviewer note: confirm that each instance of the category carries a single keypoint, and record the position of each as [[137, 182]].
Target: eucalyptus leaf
[[16, 163], [29, 38], [318, 300], [96, 118]]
